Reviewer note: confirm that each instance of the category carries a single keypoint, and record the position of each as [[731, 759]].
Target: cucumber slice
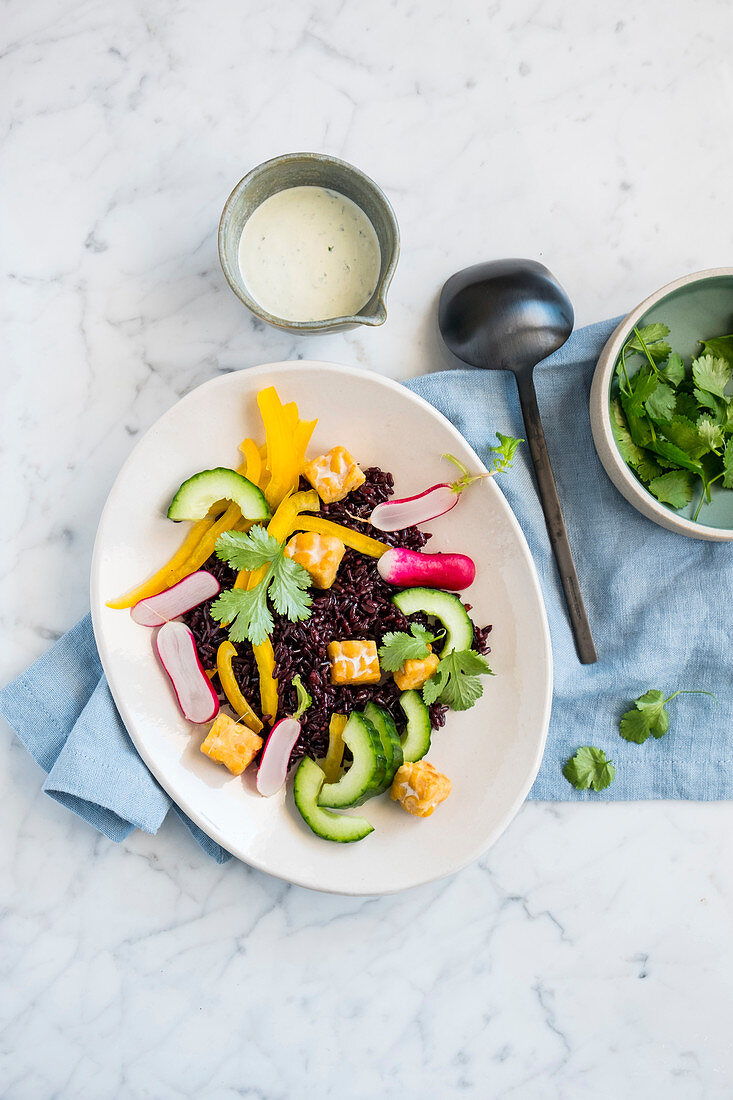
[[198, 493], [366, 773], [416, 739], [443, 606], [383, 723], [339, 827]]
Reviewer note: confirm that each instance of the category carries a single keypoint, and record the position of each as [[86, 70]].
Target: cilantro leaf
[[661, 402], [650, 339], [687, 406], [288, 590], [303, 700], [634, 456], [685, 435], [711, 375], [720, 347], [710, 432], [504, 451], [247, 551], [589, 767], [674, 371], [246, 612], [675, 487], [455, 682], [398, 647], [671, 455], [649, 716], [285, 582]]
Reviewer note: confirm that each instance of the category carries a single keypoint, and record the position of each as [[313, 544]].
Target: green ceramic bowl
[[695, 307], [310, 170]]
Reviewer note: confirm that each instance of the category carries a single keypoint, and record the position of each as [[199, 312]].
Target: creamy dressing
[[309, 254]]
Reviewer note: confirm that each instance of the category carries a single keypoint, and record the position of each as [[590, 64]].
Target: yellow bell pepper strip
[[224, 656], [279, 436], [331, 766], [162, 579], [265, 658], [362, 543], [303, 432], [205, 547], [253, 460]]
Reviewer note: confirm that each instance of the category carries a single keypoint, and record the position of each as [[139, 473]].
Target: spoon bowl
[[510, 315], [504, 315]]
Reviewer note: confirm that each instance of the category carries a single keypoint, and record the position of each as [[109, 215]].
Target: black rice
[[358, 605]]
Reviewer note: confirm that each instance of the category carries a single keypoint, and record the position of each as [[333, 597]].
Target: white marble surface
[[589, 953]]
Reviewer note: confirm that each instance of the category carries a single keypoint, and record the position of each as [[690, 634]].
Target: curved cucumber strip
[[383, 723], [366, 774], [443, 606], [308, 783], [416, 739], [198, 493]]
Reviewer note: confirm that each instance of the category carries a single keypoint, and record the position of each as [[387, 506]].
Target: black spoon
[[510, 315]]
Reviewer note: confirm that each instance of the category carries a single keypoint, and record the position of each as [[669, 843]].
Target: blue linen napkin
[[659, 606], [659, 603]]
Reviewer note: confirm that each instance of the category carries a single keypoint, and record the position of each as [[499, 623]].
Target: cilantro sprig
[[284, 584], [503, 452], [649, 716], [589, 767], [673, 423], [456, 682], [398, 647]]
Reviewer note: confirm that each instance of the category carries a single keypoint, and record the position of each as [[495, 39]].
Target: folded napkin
[[659, 605]]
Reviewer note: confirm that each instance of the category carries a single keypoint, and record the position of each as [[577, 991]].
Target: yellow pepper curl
[[224, 657], [265, 658], [362, 543]]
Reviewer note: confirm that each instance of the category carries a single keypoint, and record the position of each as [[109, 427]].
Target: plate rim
[[278, 367]]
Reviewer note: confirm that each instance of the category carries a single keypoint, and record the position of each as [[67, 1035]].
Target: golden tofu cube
[[414, 673], [333, 475], [354, 662], [419, 788], [230, 743], [320, 554]]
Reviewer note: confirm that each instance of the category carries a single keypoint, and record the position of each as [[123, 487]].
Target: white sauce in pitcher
[[309, 254]]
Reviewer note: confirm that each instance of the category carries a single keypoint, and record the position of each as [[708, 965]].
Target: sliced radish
[[171, 603], [176, 647], [273, 769], [395, 515], [408, 568]]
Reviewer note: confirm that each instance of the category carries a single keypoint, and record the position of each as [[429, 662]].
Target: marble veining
[[588, 954]]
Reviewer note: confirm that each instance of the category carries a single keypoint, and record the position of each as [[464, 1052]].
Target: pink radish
[[408, 568], [177, 651], [275, 759], [273, 768], [395, 515], [171, 603]]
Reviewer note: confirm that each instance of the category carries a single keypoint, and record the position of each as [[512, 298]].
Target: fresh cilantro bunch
[[455, 682], [398, 647], [674, 426], [589, 767], [284, 583], [649, 715]]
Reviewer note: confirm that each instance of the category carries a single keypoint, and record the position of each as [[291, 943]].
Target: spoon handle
[[554, 520]]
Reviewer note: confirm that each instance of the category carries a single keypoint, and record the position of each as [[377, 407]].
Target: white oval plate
[[491, 753]]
